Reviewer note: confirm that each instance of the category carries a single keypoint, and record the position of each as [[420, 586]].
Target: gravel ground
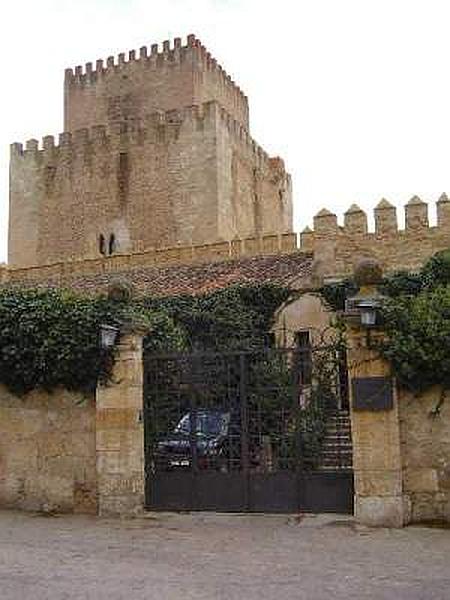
[[208, 557]]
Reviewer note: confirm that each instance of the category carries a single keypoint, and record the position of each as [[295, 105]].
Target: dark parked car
[[213, 441]]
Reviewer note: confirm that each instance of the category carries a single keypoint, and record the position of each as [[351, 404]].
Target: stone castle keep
[[156, 152], [156, 167]]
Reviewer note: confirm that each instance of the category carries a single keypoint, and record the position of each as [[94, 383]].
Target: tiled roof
[[292, 270]]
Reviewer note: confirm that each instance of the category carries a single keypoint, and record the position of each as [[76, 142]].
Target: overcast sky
[[353, 94]]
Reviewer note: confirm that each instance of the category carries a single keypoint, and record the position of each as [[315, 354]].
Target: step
[[334, 452], [335, 468], [335, 463], [334, 448]]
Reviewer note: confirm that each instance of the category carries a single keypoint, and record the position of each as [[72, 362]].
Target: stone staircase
[[336, 453]]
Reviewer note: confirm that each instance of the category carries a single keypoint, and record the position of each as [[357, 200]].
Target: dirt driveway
[[209, 557]]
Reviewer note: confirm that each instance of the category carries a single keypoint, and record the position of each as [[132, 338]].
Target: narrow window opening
[[303, 344], [112, 244], [102, 244]]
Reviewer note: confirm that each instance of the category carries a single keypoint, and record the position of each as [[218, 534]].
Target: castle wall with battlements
[[159, 171], [335, 249], [338, 248], [130, 87], [190, 176]]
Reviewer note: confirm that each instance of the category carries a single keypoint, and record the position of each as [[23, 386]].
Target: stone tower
[[156, 152]]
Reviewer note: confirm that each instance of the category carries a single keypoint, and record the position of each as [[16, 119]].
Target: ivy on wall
[[225, 319], [418, 338], [50, 338], [416, 313]]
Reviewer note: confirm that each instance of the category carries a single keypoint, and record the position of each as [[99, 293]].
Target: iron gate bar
[[244, 428], [263, 464]]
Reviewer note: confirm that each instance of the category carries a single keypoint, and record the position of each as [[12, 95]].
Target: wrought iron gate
[[244, 431]]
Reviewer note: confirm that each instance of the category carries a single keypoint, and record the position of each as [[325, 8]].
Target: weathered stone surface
[[421, 480], [426, 454], [120, 433], [401, 456], [383, 511], [47, 452], [152, 158], [378, 483], [380, 498]]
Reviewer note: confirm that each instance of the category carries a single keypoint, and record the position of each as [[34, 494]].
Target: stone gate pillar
[[380, 499], [120, 430]]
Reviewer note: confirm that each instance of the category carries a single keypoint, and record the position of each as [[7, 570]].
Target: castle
[[156, 168], [156, 180], [156, 152]]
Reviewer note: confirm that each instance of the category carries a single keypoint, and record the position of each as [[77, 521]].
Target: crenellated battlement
[[335, 248], [339, 247], [157, 55], [158, 127], [171, 63], [155, 151]]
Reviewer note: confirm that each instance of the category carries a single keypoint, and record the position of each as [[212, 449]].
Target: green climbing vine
[[50, 338], [416, 313]]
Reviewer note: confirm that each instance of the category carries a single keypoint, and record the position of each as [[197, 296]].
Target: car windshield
[[208, 423]]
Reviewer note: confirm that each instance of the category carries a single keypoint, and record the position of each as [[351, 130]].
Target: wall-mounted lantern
[[367, 307], [364, 309], [108, 336]]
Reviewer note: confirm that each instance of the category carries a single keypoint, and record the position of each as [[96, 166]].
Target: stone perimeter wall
[[425, 451], [47, 452], [178, 255], [336, 249], [401, 456], [64, 452], [339, 248], [67, 453]]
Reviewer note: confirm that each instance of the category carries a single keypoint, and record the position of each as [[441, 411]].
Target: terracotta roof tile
[[196, 279]]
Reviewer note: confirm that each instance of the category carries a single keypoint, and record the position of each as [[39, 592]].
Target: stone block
[[126, 505], [118, 418], [108, 463], [120, 397], [123, 462], [421, 480], [444, 478], [39, 433], [49, 492], [375, 442], [12, 490], [54, 444], [108, 440], [85, 498], [430, 507], [383, 511], [21, 457], [378, 483], [83, 444], [128, 370], [119, 485]]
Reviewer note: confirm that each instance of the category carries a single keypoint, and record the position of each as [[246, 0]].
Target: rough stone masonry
[[156, 152]]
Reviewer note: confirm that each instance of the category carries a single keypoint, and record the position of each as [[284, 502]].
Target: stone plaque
[[373, 393]]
